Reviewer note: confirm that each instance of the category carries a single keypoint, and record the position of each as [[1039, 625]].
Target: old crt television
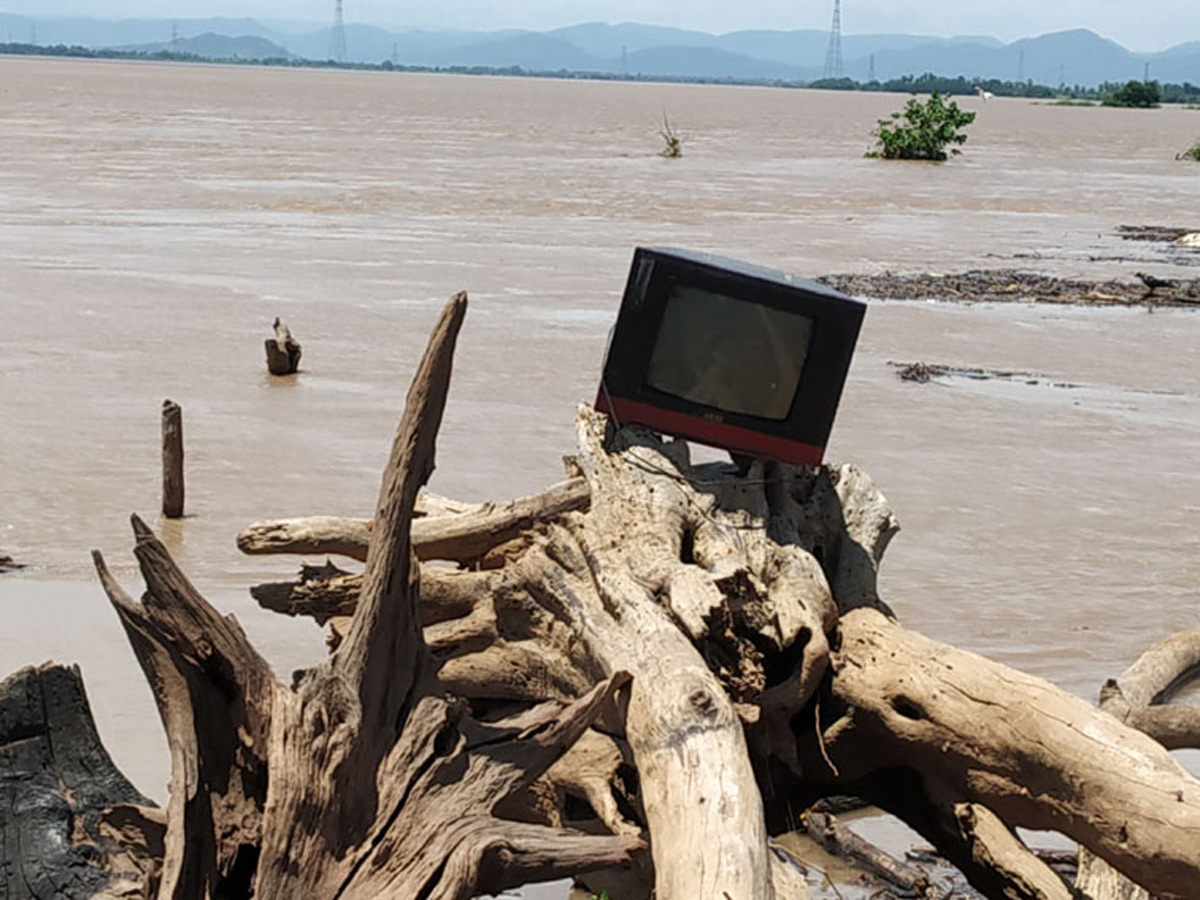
[[729, 354]]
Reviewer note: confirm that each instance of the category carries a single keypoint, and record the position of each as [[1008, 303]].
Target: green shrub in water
[[922, 130], [1135, 94]]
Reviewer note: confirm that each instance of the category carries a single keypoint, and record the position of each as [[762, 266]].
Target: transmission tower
[[833, 58], [337, 35]]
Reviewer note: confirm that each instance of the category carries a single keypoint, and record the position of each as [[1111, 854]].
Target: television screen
[[729, 354], [716, 350]]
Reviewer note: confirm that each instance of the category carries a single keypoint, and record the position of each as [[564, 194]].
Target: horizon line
[[319, 25]]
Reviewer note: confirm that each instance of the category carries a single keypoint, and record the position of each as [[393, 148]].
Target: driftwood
[[465, 537], [1140, 697], [431, 754], [762, 575], [363, 778], [56, 782], [843, 843], [283, 351], [8, 564]]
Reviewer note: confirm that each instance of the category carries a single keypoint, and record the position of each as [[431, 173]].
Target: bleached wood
[[1140, 696], [380, 786], [1097, 880], [1018, 873], [1035, 755], [464, 536]]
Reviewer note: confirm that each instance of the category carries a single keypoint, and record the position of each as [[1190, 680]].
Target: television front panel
[[729, 354]]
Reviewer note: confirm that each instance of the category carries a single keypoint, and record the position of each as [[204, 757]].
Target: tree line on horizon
[[1133, 93], [1109, 92]]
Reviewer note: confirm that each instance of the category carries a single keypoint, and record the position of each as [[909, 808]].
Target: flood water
[[154, 219]]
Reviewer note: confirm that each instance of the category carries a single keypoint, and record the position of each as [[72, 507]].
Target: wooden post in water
[[283, 351], [172, 459]]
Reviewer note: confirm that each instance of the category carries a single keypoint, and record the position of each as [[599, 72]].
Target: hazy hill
[[219, 46], [368, 43], [707, 62], [606, 41], [1074, 57], [97, 33], [1071, 57], [1077, 57], [529, 50]]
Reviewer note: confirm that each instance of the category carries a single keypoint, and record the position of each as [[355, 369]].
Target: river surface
[[154, 219]]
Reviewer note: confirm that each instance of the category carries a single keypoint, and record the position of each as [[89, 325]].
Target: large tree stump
[[363, 779], [56, 781], [430, 755], [763, 574]]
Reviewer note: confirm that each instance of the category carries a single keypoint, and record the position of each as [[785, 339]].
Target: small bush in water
[[672, 149], [922, 130], [1136, 95]]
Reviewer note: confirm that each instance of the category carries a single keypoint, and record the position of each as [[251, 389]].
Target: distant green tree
[[922, 130], [835, 84], [1135, 94], [1181, 93]]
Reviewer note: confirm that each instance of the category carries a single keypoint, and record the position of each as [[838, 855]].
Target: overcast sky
[[1145, 25]]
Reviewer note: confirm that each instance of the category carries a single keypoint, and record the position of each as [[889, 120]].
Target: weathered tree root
[[763, 575], [363, 779], [767, 673], [466, 537], [1140, 698], [914, 717], [56, 781]]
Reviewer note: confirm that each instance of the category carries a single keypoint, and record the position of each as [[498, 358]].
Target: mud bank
[[1015, 286]]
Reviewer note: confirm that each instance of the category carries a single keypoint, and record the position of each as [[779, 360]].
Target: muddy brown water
[[154, 219]]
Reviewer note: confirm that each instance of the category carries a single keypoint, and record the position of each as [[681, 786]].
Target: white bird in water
[[986, 95]]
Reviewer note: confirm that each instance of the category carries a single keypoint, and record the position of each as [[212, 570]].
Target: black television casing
[[801, 437]]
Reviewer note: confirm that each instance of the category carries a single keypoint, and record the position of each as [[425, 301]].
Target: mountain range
[[1078, 57]]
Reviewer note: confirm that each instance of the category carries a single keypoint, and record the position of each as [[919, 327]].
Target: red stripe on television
[[706, 431]]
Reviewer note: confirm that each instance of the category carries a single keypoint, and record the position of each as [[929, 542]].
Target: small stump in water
[[283, 351]]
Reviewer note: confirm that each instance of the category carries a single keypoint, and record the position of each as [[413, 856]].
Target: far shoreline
[[953, 85]]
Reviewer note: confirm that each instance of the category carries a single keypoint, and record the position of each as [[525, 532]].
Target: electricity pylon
[[833, 58]]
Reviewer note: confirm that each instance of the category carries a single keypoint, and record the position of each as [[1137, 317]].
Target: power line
[[833, 58], [337, 35]]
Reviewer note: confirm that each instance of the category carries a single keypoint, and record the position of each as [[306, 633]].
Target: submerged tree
[[1135, 94], [672, 142], [922, 130]]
